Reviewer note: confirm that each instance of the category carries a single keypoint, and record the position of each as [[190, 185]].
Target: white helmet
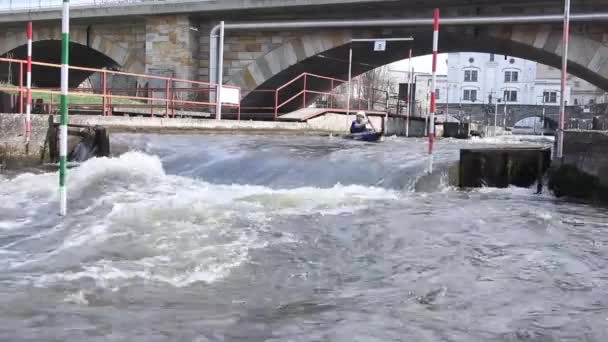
[[361, 114]]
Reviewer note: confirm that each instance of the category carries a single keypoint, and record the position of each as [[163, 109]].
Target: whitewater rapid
[[231, 238]]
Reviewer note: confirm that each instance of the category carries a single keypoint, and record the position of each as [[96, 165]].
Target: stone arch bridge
[[172, 39]]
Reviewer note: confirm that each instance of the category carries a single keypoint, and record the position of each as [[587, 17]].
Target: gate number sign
[[380, 45]]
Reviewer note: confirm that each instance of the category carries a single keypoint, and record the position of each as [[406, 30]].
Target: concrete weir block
[[583, 171], [502, 167]]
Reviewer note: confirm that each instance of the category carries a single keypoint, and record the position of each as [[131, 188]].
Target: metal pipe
[[63, 135], [542, 127], [470, 20], [213, 58], [304, 95], [562, 103], [409, 95], [504, 119], [350, 73], [496, 116], [104, 83], [433, 108], [167, 97], [21, 87], [331, 96], [220, 60], [28, 84]]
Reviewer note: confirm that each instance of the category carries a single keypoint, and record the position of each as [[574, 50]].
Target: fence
[[107, 92], [11, 5], [114, 91]]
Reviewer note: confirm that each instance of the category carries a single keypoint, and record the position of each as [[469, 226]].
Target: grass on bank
[[82, 99]]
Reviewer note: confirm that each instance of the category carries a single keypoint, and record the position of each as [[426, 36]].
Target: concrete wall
[[396, 126], [583, 171], [12, 138], [171, 46], [588, 151]]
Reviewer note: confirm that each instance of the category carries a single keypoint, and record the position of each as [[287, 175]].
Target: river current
[[290, 238]]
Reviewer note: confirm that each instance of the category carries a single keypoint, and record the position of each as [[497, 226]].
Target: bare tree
[[374, 87]]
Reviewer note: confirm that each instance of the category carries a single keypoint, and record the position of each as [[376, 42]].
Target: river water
[[252, 238]]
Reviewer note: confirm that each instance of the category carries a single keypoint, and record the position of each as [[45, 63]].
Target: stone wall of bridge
[[178, 45]]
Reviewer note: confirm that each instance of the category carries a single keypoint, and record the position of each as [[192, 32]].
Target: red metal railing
[[334, 82], [270, 109], [170, 98]]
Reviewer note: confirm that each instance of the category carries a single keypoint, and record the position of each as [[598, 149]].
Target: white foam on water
[[512, 140], [163, 228]]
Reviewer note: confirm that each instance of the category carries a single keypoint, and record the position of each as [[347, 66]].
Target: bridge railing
[[107, 91], [292, 91], [34, 5]]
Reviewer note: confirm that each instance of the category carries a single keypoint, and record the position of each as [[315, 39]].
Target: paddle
[[371, 124]]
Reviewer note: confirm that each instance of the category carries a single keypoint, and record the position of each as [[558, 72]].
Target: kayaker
[[359, 125]]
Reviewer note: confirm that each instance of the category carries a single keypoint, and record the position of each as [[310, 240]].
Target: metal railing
[[172, 97], [34, 5], [334, 82]]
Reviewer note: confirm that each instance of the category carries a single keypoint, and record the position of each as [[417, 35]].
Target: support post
[[167, 97], [331, 95], [433, 85], [63, 138], [276, 104], [504, 118], [542, 127], [28, 85], [496, 116], [304, 94], [350, 76], [562, 105], [409, 95], [104, 100], [20, 87], [220, 74]]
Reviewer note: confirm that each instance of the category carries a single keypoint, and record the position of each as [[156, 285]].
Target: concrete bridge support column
[[171, 46]]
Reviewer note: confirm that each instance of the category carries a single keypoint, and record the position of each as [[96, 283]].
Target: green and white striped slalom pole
[[63, 131]]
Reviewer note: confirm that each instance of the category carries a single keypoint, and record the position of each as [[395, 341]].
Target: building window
[[591, 101], [470, 95], [512, 61], [491, 57], [550, 97], [511, 76], [577, 84], [471, 60], [470, 75], [576, 102], [510, 95], [437, 94]]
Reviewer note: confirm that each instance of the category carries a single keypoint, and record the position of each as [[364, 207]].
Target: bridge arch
[[86, 50], [534, 124], [326, 52]]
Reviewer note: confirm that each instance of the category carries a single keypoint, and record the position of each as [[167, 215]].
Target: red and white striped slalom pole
[[28, 85], [433, 108]]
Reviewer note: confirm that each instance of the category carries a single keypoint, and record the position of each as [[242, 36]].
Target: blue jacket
[[356, 127]]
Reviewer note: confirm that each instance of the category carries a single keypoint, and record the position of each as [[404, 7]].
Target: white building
[[423, 91], [480, 78]]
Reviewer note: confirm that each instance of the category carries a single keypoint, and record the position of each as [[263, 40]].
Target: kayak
[[365, 136]]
